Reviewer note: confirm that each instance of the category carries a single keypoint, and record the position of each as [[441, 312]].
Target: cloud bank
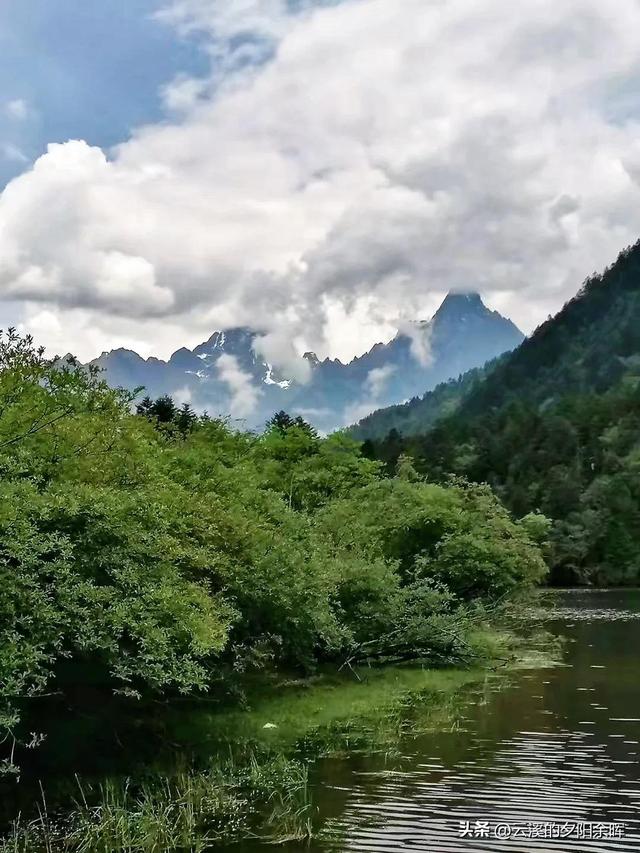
[[244, 394], [342, 160]]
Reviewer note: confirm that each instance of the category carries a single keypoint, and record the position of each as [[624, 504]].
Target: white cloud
[[378, 378], [420, 337], [244, 394], [182, 395], [225, 21], [375, 386], [350, 162], [279, 348], [183, 93], [17, 109]]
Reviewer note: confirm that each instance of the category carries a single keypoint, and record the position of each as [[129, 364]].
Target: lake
[[544, 746], [419, 759]]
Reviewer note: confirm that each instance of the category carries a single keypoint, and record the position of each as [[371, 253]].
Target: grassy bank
[[243, 774], [247, 773], [190, 810]]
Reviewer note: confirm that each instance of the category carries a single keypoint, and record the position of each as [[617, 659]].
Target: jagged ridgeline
[[553, 426], [462, 334]]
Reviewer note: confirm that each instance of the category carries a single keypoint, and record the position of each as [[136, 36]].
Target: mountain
[[553, 427], [225, 375], [420, 413]]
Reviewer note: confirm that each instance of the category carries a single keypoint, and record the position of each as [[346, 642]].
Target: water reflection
[[558, 745]]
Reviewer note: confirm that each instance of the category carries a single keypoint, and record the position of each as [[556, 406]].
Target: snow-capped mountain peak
[[216, 374]]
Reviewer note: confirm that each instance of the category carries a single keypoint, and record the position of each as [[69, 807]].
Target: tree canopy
[[151, 554], [553, 427]]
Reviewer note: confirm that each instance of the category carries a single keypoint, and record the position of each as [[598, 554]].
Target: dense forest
[[161, 553], [553, 427]]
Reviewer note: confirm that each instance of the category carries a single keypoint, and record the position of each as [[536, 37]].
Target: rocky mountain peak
[[462, 334], [459, 304]]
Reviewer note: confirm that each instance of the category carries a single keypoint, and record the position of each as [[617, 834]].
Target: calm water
[[557, 744]]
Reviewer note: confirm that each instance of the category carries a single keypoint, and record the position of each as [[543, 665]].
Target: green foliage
[[554, 428], [164, 413], [94, 564], [418, 414], [459, 536], [159, 552], [308, 471], [191, 810]]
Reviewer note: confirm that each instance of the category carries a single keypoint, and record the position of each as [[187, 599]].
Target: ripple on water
[[537, 757]]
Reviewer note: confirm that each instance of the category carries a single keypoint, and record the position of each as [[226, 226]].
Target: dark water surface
[[555, 745]]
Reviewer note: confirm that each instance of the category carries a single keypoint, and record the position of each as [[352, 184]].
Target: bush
[[151, 555]]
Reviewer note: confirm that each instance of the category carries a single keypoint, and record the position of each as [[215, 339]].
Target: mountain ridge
[[552, 427], [463, 333]]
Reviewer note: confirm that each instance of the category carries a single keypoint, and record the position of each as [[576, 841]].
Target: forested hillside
[[420, 413], [555, 427]]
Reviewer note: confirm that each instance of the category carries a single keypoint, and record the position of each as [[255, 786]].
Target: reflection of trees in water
[[547, 747]]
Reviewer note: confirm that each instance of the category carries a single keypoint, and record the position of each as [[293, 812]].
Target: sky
[[323, 172]]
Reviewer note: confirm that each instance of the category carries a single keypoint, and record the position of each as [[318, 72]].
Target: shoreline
[[245, 773]]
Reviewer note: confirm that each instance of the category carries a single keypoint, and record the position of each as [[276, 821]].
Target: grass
[[249, 775], [285, 714], [190, 811]]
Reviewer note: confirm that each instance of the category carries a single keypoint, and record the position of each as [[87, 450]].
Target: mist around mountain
[[420, 413], [225, 376], [553, 427]]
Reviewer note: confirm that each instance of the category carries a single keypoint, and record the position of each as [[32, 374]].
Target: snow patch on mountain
[[237, 371]]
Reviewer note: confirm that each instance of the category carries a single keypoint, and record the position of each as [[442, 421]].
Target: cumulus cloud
[[183, 93], [244, 394], [342, 160], [239, 32]]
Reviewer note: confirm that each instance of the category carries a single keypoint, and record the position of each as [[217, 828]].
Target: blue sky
[[85, 69]]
